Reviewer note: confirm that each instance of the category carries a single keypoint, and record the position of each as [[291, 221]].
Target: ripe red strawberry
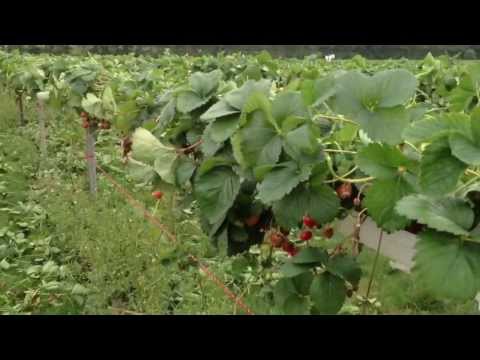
[[328, 232], [157, 195], [290, 248], [85, 124], [277, 240], [252, 220], [309, 222], [306, 235], [344, 191]]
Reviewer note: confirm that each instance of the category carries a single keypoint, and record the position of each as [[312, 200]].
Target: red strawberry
[[306, 235], [328, 233], [309, 222], [277, 240], [85, 124], [344, 191], [157, 195], [290, 248], [252, 220]]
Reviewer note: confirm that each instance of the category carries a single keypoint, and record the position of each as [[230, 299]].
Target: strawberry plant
[[274, 152], [259, 152]]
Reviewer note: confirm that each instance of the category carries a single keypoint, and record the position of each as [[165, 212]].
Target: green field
[[64, 251]]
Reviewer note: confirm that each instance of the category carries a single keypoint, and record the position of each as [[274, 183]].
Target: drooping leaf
[[237, 98], [146, 147], [140, 172], [376, 103], [214, 162], [310, 256], [216, 191], [288, 104], [303, 282], [381, 161], [394, 87], [446, 266], [127, 112], [290, 270], [184, 170], [445, 214], [166, 116], [440, 171], [302, 145], [209, 146], [384, 125], [318, 201], [288, 300], [223, 128], [205, 83], [328, 293], [441, 125], [220, 109], [164, 165], [257, 143], [281, 181], [381, 199], [188, 101], [345, 267], [464, 149]]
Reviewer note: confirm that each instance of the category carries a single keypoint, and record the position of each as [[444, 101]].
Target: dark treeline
[[341, 51]]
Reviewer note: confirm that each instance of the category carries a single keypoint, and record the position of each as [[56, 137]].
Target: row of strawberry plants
[[258, 159], [263, 161]]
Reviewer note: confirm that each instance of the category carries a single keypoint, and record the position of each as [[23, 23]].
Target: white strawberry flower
[[330, 58]]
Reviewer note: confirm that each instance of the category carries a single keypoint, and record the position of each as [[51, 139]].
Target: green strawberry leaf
[[188, 101], [219, 110], [381, 199], [238, 97], [345, 267], [382, 161], [288, 104], [223, 128], [465, 149], [310, 256], [318, 200], [447, 266], [204, 84], [216, 192], [290, 270], [440, 171], [445, 214], [184, 170], [281, 181], [164, 166], [328, 293], [257, 143], [441, 125]]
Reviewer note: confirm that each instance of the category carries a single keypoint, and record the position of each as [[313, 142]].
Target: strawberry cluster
[[94, 123]]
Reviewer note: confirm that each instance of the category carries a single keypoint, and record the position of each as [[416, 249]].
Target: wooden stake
[[42, 131], [91, 160], [21, 114]]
